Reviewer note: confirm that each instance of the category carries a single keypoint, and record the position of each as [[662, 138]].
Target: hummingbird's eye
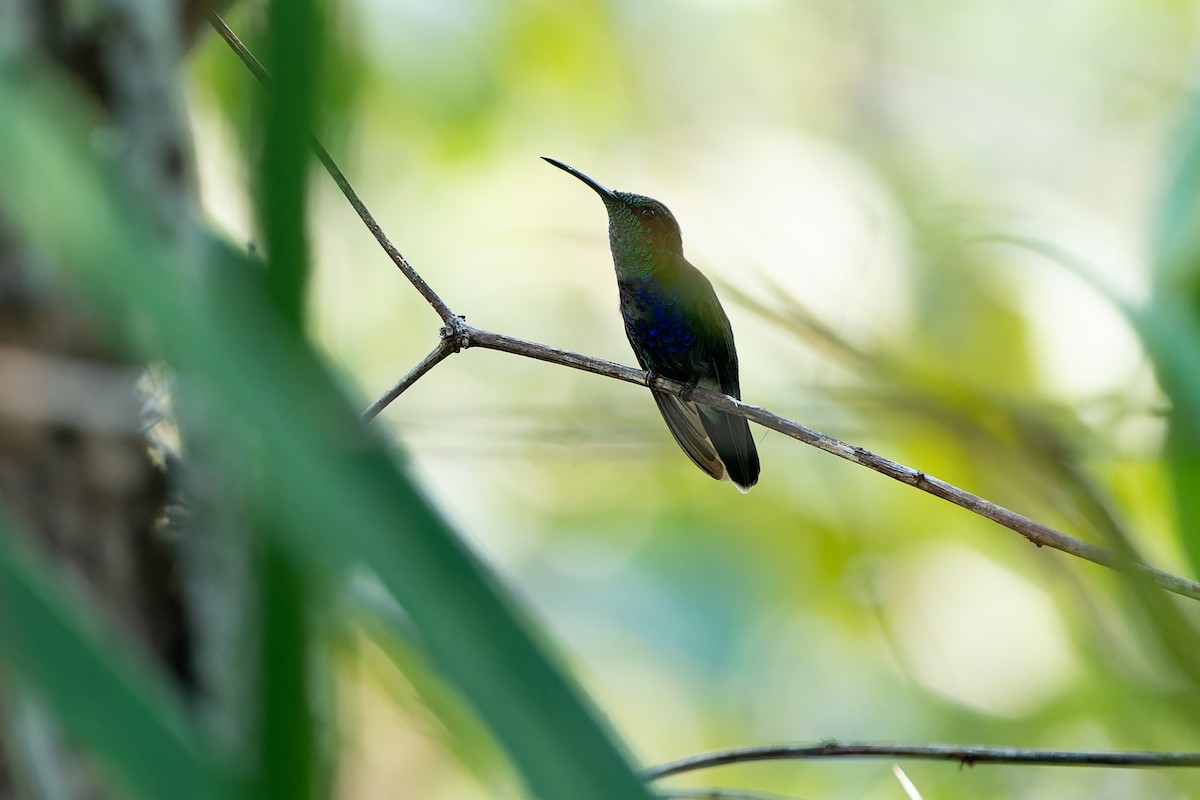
[[648, 213]]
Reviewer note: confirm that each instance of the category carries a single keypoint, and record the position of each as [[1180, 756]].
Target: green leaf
[[114, 706], [295, 49], [287, 764]]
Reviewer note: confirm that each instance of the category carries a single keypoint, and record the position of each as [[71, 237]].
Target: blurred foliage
[[95, 690], [1171, 328], [963, 235]]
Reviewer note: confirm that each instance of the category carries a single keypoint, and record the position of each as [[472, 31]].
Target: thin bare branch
[[488, 340], [445, 347], [1037, 533], [335, 172], [720, 794], [966, 755], [249, 59]]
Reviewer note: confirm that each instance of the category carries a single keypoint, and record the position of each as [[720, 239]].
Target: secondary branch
[[966, 755]]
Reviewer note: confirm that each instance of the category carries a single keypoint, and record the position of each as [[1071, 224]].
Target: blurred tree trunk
[[76, 472]]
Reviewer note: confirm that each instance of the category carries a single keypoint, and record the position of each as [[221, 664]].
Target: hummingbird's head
[[635, 223]]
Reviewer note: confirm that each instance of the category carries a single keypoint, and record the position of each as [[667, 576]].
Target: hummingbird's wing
[[718, 443], [684, 421], [731, 438], [729, 434]]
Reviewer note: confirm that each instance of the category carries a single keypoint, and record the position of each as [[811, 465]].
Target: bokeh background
[[922, 219]]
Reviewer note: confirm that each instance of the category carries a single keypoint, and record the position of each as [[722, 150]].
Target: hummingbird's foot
[[652, 378], [685, 394]]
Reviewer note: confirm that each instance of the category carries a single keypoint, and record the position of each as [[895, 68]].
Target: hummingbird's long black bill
[[600, 188]]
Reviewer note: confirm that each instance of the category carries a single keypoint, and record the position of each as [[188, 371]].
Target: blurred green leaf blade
[[1171, 327], [295, 48], [117, 708], [289, 749]]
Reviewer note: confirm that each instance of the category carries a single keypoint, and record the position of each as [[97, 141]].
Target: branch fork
[[457, 332]]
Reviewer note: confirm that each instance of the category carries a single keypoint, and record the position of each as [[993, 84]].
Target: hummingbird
[[678, 330]]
